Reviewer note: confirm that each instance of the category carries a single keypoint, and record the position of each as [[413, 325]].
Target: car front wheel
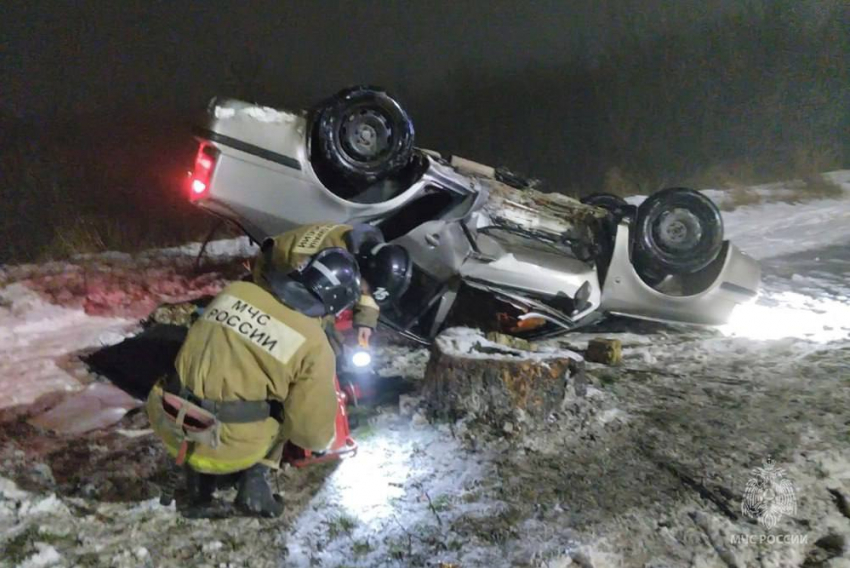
[[677, 231]]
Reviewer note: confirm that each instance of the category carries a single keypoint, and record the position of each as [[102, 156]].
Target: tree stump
[[471, 376]]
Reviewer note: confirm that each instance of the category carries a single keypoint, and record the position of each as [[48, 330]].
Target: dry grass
[[819, 187], [730, 175], [803, 176], [740, 197], [810, 161], [617, 182], [65, 195], [83, 236]]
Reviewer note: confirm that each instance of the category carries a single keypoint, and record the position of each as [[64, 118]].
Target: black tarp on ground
[[138, 362]]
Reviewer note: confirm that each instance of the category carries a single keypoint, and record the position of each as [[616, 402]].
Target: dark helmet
[[332, 276], [387, 269]]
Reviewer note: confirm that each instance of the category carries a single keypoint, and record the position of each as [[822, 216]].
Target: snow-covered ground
[[35, 338], [50, 312], [649, 469]]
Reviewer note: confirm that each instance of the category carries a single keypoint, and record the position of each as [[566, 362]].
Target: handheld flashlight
[[361, 357]]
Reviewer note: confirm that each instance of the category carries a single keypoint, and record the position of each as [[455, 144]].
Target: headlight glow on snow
[[791, 314], [361, 358], [366, 484]]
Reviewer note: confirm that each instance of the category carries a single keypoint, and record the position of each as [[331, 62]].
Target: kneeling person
[[255, 348]]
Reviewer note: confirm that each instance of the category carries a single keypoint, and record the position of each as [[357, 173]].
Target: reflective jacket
[[293, 248], [248, 346]]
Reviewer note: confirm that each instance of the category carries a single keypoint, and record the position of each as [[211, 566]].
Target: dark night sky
[[71, 57], [585, 95]]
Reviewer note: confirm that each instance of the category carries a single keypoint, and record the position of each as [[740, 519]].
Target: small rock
[[606, 351]]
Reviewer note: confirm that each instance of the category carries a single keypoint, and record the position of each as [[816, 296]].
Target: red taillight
[[200, 176]]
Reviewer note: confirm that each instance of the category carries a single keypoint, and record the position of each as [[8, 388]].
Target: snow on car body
[[547, 261]]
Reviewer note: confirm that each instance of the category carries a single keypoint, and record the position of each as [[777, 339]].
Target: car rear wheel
[[361, 135], [614, 204], [617, 209], [677, 231]]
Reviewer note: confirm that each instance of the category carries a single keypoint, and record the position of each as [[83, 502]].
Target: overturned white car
[[488, 250]]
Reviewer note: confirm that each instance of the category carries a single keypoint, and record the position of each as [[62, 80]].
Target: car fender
[[732, 279]]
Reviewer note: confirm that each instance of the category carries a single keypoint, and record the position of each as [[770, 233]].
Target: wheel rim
[[365, 134], [677, 230]]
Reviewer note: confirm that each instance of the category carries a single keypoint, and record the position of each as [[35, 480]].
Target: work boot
[[201, 487], [201, 504], [254, 496]]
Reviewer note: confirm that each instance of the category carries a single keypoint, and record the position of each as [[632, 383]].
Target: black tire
[[677, 231], [617, 209], [607, 201], [362, 135]]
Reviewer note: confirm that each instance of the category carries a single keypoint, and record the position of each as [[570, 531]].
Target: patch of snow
[[258, 113], [776, 229], [466, 343], [151, 505], [610, 415], [142, 552], [239, 247], [224, 112], [48, 505], [134, 433], [46, 556], [643, 354], [9, 491], [35, 335]]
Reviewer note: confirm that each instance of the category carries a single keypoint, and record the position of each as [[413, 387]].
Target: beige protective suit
[[247, 346]]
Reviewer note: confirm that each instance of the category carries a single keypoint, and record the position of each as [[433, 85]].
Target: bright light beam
[[794, 315], [361, 358]]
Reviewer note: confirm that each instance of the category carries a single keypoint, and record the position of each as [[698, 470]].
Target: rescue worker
[[386, 268], [257, 347]]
